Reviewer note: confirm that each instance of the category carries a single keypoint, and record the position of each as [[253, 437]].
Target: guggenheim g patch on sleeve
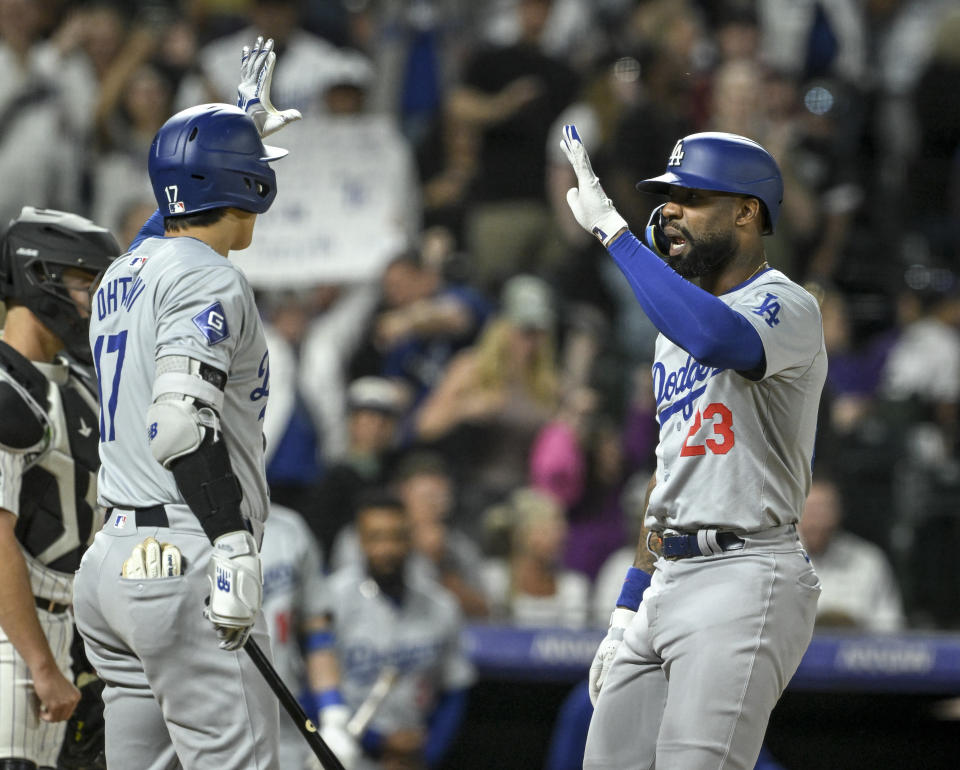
[[212, 323]]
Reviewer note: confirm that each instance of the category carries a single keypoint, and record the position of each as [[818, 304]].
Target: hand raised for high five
[[253, 93]]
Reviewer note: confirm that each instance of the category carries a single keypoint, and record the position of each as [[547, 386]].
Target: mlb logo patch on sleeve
[[212, 323]]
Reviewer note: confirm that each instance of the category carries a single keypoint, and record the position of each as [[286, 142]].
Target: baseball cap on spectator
[[527, 302], [377, 394]]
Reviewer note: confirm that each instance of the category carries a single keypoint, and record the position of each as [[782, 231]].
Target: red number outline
[[723, 429]]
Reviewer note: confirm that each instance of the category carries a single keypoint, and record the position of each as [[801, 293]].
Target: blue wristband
[[318, 640], [372, 741], [331, 697], [633, 587]]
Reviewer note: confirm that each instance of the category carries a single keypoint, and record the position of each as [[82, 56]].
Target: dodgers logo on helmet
[[715, 160]]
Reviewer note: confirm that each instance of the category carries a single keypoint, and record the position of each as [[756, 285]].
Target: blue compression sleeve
[[443, 725], [687, 315], [152, 228]]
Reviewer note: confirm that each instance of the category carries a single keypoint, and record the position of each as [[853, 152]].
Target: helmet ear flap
[[653, 236]]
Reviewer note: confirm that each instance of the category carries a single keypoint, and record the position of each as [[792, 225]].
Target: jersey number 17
[[108, 346]]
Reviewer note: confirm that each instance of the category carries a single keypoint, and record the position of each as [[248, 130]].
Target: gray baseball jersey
[[729, 627], [172, 697], [294, 590], [421, 638], [176, 296], [734, 453]]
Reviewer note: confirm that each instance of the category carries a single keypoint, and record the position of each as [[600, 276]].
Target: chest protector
[[55, 427]]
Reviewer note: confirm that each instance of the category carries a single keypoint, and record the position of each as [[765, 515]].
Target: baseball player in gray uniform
[[183, 373], [296, 607], [385, 620], [48, 465], [687, 678]]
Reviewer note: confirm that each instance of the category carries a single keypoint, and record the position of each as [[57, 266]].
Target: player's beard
[[389, 578], [704, 255]]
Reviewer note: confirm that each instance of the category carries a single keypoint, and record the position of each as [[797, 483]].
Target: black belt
[[48, 605], [154, 516], [683, 546]]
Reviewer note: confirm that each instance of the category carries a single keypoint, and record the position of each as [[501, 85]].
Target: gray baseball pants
[[705, 659], [173, 698]]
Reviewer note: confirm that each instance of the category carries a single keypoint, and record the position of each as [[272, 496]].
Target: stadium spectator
[[307, 59], [495, 396], [374, 405], [859, 588], [609, 579], [290, 429], [422, 322], [934, 177], [356, 167], [425, 486], [526, 584], [340, 316], [922, 370], [38, 152], [507, 100]]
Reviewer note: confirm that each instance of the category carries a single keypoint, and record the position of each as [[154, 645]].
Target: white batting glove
[[152, 559], [253, 93], [590, 205], [619, 621], [236, 587], [333, 730]]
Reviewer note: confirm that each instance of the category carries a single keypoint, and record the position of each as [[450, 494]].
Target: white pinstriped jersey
[[176, 297], [734, 453]]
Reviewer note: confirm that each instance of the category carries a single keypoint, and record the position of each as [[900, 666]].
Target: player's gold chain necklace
[[762, 265]]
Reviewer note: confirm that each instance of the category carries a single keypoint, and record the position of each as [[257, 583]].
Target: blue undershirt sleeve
[[443, 725], [700, 323], [152, 228]]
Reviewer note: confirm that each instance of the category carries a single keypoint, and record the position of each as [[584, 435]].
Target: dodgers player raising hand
[[183, 373], [721, 596]]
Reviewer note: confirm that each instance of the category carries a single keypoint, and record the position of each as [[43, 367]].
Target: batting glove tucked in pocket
[[153, 559]]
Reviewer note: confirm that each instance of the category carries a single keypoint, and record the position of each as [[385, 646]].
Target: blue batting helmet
[[726, 163], [211, 156]]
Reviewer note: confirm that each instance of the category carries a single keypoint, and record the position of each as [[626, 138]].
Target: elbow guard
[[185, 438], [177, 428]]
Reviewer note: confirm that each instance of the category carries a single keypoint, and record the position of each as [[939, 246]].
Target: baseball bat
[[366, 710], [304, 724]]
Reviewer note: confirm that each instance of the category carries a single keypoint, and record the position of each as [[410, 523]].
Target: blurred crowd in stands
[[441, 328]]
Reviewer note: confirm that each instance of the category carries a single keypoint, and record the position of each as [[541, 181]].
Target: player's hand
[[403, 750], [236, 588], [590, 205], [152, 559], [619, 621], [57, 695], [253, 93], [333, 730]]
